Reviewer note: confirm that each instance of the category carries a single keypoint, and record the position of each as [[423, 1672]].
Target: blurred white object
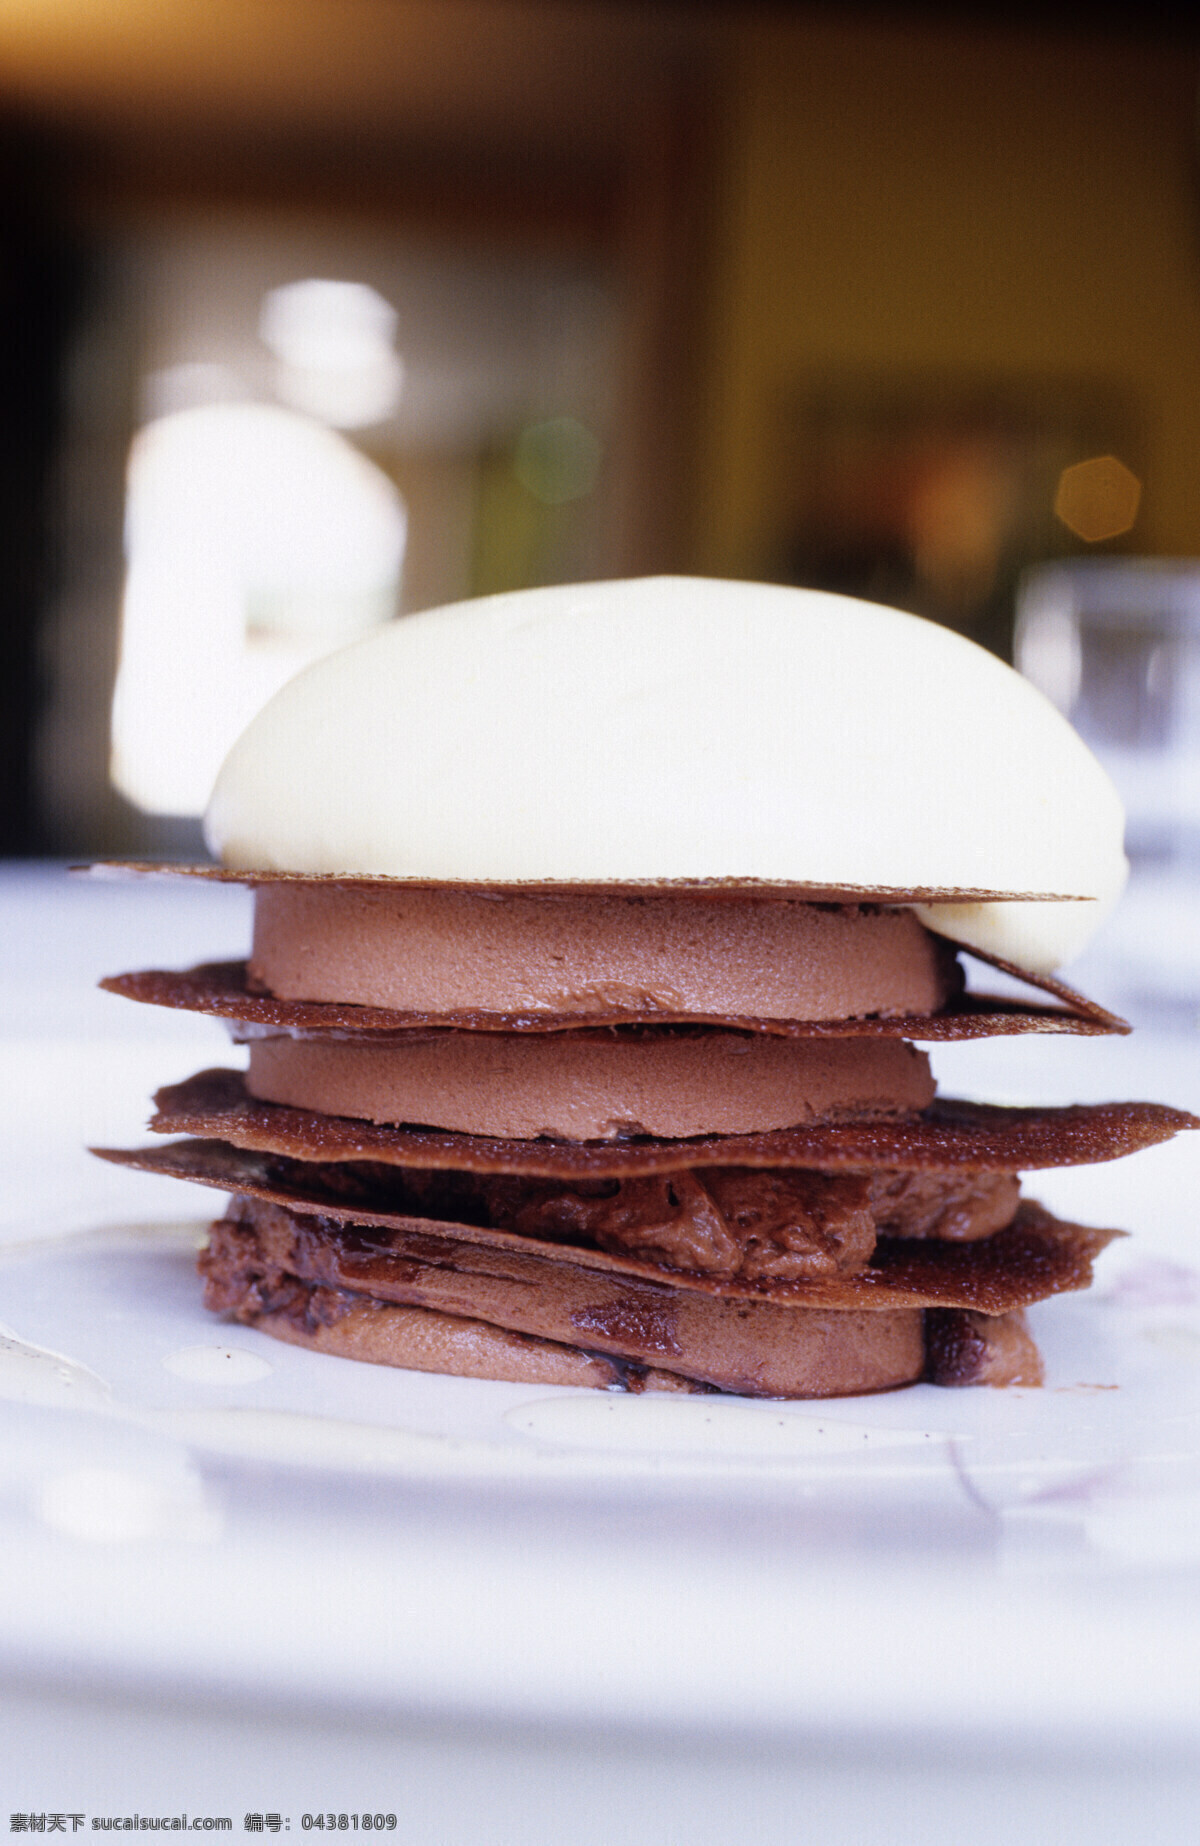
[[1115, 644], [333, 343], [257, 540]]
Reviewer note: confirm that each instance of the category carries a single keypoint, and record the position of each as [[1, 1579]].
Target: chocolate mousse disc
[[593, 1086], [259, 1253], [435, 1303], [848, 1355], [438, 950]]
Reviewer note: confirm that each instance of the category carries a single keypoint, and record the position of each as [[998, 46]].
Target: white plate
[[192, 1510], [109, 1325], [194, 1468]]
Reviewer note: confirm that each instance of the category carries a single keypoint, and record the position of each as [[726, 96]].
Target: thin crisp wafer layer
[[221, 990], [215, 1104], [257, 878], [1034, 1257]]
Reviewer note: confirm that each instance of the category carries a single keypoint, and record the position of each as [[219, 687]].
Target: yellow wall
[[978, 200]]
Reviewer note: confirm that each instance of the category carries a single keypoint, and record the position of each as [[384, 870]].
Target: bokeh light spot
[[1098, 498], [558, 460]]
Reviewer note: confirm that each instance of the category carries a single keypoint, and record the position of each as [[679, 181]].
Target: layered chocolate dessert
[[517, 1106]]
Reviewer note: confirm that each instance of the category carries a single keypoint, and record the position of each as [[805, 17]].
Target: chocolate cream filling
[[438, 950], [592, 1086], [734, 1223], [726, 1223], [1034, 1256]]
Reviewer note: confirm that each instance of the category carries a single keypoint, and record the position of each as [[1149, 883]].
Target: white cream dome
[[678, 728]]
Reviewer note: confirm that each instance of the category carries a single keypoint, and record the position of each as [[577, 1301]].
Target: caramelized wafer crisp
[[221, 989], [732, 888], [214, 1104]]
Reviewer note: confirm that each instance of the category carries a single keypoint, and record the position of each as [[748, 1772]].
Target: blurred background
[[314, 313]]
